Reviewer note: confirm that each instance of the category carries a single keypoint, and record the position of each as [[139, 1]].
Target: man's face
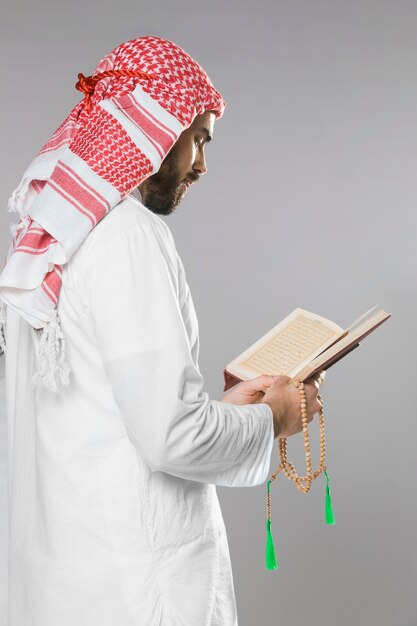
[[183, 165]]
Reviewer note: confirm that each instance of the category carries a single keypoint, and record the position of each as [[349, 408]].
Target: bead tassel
[[270, 555], [271, 559], [329, 508]]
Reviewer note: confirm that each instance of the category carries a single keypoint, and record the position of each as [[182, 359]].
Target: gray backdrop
[[309, 201]]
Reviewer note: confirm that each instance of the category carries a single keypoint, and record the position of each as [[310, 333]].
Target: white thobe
[[114, 517]]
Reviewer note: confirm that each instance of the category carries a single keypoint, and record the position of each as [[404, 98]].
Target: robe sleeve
[[132, 287]]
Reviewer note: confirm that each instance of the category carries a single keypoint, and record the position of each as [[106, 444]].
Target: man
[[115, 451]]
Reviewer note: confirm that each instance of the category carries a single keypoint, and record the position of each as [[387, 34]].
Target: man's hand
[[282, 396], [284, 399], [249, 391]]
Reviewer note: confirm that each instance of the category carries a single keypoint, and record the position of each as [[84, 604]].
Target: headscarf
[[141, 97]]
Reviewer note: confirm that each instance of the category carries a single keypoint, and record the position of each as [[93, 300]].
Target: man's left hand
[[249, 391]]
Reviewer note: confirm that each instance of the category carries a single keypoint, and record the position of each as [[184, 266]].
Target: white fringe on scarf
[[53, 369], [2, 326]]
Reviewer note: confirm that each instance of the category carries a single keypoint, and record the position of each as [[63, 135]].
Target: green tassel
[[329, 509], [271, 559]]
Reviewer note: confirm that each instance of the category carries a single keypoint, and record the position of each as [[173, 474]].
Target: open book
[[300, 346]]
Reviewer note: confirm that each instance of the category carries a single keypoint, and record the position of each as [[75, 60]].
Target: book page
[[360, 329], [291, 346], [362, 318]]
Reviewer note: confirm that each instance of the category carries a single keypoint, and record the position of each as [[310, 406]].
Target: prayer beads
[[303, 483]]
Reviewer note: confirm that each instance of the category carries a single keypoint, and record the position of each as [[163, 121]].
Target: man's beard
[[163, 189]]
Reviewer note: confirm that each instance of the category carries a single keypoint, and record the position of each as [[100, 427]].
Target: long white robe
[[114, 517]]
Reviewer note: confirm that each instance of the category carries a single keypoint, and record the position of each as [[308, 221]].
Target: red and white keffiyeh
[[136, 104]]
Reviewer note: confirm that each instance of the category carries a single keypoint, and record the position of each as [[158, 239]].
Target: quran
[[301, 345]]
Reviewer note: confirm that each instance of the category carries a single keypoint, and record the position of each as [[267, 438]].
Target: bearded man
[[115, 450]]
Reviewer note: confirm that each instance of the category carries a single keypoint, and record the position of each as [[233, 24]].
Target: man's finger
[[260, 383], [314, 408], [311, 390], [318, 379]]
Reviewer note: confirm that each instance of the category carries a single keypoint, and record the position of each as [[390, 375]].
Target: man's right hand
[[284, 399]]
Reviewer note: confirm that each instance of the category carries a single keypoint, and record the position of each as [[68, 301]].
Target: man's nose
[[200, 163]]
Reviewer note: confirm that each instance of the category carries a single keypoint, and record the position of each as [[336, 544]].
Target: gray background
[[310, 200]]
